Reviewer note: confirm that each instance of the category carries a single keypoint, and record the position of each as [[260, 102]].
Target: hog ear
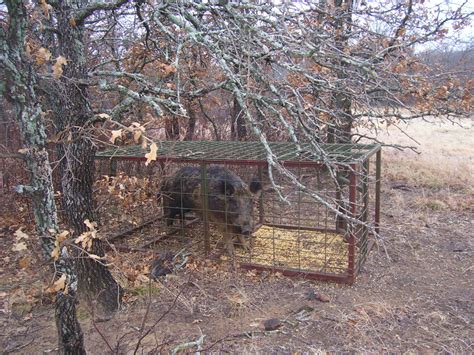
[[226, 188], [255, 186]]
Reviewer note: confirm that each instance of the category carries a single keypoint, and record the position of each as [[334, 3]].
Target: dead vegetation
[[419, 298]]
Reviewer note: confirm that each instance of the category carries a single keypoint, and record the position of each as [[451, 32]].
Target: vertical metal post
[[365, 196], [353, 211], [113, 167], [340, 223], [260, 200], [378, 176], [138, 167], [205, 207]]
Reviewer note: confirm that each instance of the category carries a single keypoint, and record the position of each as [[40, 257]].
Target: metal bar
[[311, 275], [378, 176], [12, 156], [365, 196], [231, 151], [125, 248], [263, 163], [205, 206], [260, 200], [353, 210], [296, 227], [126, 232], [373, 148], [112, 167], [340, 221], [364, 256], [167, 235]]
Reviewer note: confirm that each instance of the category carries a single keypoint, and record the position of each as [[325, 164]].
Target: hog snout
[[245, 230]]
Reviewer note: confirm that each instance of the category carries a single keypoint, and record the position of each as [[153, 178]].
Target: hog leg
[[229, 243], [244, 242]]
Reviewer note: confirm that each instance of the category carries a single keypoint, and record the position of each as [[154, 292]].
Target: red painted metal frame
[[352, 237], [261, 163], [352, 269], [378, 176], [312, 275]]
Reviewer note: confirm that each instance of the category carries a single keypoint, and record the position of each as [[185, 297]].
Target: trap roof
[[252, 153]]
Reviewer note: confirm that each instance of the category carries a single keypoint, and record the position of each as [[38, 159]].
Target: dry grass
[[445, 159]]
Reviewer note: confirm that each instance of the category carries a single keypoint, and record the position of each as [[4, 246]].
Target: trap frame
[[304, 237]]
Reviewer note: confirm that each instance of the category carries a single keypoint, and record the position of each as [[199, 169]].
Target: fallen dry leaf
[[104, 116], [19, 246], [24, 262], [19, 234]]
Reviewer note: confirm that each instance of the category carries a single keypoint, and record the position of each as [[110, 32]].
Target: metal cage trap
[[314, 219]]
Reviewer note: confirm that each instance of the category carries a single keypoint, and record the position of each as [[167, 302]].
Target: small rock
[[272, 324], [322, 298]]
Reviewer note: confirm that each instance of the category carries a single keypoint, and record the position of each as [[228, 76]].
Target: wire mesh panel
[[309, 220]]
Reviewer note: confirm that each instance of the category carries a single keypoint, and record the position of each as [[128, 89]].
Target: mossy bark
[[20, 90], [73, 116], [340, 129]]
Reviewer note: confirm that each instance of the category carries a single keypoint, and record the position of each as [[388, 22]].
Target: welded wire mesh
[[207, 207], [235, 151]]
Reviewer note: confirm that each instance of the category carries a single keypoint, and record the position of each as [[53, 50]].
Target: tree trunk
[[238, 128], [191, 124], [340, 128], [172, 128], [21, 84], [72, 114]]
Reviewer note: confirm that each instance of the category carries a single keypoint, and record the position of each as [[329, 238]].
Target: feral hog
[[229, 200]]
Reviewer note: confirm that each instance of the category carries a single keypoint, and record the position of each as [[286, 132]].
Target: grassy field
[[444, 158]]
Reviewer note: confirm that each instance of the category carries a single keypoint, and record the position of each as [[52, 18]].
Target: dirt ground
[[415, 292]]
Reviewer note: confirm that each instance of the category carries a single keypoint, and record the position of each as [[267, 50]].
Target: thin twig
[[159, 319]]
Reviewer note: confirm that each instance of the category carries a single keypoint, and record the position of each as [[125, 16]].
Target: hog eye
[[226, 188]]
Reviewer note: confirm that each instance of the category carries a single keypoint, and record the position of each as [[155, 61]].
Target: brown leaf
[[115, 134], [104, 116], [19, 246], [58, 66], [59, 284], [56, 250], [19, 234], [42, 56], [45, 7], [24, 262], [62, 236], [72, 22], [137, 135], [90, 225], [151, 156]]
